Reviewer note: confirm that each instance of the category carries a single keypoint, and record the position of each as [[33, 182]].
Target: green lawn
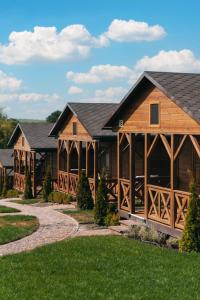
[[82, 216], [5, 209], [111, 268], [15, 227]]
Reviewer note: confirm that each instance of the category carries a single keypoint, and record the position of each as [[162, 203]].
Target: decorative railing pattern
[[181, 201], [112, 186], [62, 181], [19, 181], [73, 182], [125, 194], [159, 204]]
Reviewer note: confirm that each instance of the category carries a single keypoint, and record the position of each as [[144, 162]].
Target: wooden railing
[[19, 181], [112, 186], [92, 186], [159, 204], [125, 194], [73, 182], [181, 203], [62, 181]]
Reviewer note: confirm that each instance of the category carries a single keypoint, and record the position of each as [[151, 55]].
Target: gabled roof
[[181, 88], [91, 115], [6, 157], [36, 135]]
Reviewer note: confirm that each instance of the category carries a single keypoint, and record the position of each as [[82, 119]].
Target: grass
[[82, 216], [28, 201], [5, 209], [111, 268], [15, 227]]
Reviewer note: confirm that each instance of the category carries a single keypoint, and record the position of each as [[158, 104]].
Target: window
[[154, 114], [74, 128], [22, 141]]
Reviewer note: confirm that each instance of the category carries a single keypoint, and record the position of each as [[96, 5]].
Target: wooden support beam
[[34, 175], [86, 159], [95, 145], [79, 157], [195, 144], [155, 140], [68, 166], [180, 146], [166, 144], [118, 170], [146, 175], [132, 172], [172, 206]]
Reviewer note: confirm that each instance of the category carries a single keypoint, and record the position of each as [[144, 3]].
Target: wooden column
[[95, 145], [172, 207], [146, 175], [86, 159], [118, 170], [34, 175], [68, 161], [132, 172], [26, 160], [79, 158]]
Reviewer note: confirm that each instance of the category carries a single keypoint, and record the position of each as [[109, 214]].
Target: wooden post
[[132, 171], [79, 158], [34, 175], [145, 175], [68, 162], [86, 159], [118, 170], [95, 168], [172, 206]]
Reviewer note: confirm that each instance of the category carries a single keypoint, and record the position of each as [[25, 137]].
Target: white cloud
[[174, 61], [100, 73], [9, 82], [46, 43], [29, 97], [133, 31], [74, 90], [111, 93]]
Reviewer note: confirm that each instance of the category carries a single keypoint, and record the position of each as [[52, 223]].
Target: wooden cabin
[[35, 150], [158, 128], [84, 146], [6, 165]]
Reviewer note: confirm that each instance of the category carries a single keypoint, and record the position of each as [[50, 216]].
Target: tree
[[100, 209], [190, 240], [5, 186], [53, 117], [28, 185], [47, 185], [84, 195]]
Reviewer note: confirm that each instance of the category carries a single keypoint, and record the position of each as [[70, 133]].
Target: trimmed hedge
[[58, 197]]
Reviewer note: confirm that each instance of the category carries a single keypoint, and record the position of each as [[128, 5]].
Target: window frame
[[150, 105], [74, 128]]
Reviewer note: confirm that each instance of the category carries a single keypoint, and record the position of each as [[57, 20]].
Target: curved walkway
[[54, 226]]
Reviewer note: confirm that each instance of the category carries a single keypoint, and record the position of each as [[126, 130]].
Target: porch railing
[[19, 181]]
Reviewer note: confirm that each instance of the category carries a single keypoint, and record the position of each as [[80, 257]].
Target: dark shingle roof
[[92, 116], [36, 135], [6, 157], [182, 88]]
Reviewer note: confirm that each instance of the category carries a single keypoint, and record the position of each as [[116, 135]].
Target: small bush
[[5, 186], [101, 204], [190, 240], [58, 197], [172, 242], [12, 194], [47, 185], [144, 233], [84, 195], [112, 219]]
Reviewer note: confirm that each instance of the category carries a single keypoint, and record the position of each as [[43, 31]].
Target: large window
[[154, 114], [74, 128]]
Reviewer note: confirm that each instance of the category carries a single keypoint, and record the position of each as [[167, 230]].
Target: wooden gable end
[[21, 143], [172, 119], [67, 131]]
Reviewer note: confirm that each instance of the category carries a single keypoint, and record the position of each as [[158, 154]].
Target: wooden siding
[[172, 118], [18, 145], [67, 133]]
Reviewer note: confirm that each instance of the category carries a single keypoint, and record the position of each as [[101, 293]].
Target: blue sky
[[52, 52]]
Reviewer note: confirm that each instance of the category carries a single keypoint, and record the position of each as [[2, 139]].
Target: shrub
[[100, 209], [144, 233], [190, 240], [47, 185], [5, 186], [172, 242], [84, 195], [12, 194], [28, 186], [112, 219], [60, 198]]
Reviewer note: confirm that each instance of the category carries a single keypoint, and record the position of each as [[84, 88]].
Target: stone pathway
[[54, 226]]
